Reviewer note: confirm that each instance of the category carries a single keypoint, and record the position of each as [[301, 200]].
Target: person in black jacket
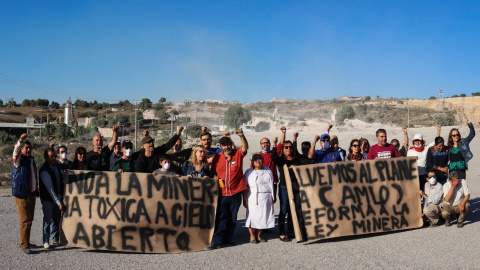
[[51, 196]]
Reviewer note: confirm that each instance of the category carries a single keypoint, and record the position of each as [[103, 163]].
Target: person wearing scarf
[[420, 151]]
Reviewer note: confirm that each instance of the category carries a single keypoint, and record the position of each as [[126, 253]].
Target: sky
[[245, 51]]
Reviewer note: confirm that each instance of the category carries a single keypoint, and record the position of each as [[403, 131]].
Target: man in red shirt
[[228, 168], [382, 149]]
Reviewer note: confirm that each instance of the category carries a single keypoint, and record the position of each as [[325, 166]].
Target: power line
[[46, 89]]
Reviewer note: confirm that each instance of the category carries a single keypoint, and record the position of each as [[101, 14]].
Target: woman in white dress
[[259, 199]]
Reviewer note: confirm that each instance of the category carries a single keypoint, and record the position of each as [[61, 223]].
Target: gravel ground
[[425, 248]]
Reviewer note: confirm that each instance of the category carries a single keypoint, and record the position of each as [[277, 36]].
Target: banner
[[330, 200], [138, 212]]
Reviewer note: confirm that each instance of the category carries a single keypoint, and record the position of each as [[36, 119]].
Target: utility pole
[[136, 101], [408, 114]]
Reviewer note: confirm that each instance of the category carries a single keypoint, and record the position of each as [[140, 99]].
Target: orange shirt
[[230, 171]]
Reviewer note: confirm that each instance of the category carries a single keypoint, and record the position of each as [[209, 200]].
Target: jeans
[[227, 219], [51, 220], [26, 209], [284, 210]]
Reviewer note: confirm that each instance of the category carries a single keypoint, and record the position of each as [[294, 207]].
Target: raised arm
[[16, 150], [240, 134], [162, 149], [227, 134], [471, 134], [328, 128], [311, 152], [405, 134], [282, 138], [114, 138], [295, 136]]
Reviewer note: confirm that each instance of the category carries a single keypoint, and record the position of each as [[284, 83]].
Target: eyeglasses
[[288, 147], [355, 145], [431, 176], [63, 152], [456, 135]]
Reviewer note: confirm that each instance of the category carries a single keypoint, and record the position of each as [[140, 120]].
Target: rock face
[[464, 106]]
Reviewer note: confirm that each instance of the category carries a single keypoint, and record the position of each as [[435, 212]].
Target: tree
[[11, 103], [475, 94], [49, 130], [41, 102], [362, 109], [26, 103], [194, 131], [463, 95], [345, 113], [367, 98], [162, 100], [235, 116], [54, 105], [432, 98], [162, 115], [1, 103], [145, 104], [79, 131], [6, 138], [63, 133]]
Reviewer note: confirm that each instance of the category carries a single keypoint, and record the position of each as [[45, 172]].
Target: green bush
[[345, 113], [362, 109], [6, 138], [446, 121], [235, 116]]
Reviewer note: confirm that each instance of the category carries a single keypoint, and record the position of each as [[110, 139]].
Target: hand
[[239, 132], [439, 127], [245, 203], [274, 200], [468, 122], [120, 171], [115, 128], [404, 130], [155, 173], [23, 137], [146, 132], [329, 126], [283, 129], [275, 141], [189, 176], [454, 183], [295, 136], [461, 207], [420, 192], [179, 130], [204, 129], [226, 134], [51, 145], [205, 177], [61, 207], [316, 139], [177, 175]]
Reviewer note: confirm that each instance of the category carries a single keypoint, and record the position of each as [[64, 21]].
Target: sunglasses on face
[[455, 135], [288, 147], [431, 176], [355, 145]]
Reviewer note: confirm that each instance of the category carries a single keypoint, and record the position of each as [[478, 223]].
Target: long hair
[[350, 148], [75, 159], [450, 138], [193, 157]]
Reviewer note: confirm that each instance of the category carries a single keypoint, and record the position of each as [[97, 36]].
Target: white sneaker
[[46, 245]]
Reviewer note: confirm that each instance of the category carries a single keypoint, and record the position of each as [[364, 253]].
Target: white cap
[[418, 136]]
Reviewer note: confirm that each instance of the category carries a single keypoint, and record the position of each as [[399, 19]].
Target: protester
[[51, 196], [266, 153], [402, 150], [98, 159], [62, 161], [460, 153], [335, 147], [80, 160], [259, 199], [305, 148], [437, 160], [228, 167], [364, 147], [125, 163], [147, 158], [116, 154], [24, 188], [326, 153], [206, 141], [165, 166], [420, 151], [382, 149], [354, 153], [432, 199], [456, 196], [197, 165]]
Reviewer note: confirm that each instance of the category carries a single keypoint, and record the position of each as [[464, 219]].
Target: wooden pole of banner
[[291, 202]]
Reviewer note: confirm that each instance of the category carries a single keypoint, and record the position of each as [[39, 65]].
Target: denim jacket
[[464, 144], [189, 169]]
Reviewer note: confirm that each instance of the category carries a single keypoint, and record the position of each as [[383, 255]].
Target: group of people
[[256, 188]]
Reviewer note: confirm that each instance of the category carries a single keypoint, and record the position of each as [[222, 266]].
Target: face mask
[[64, 155], [266, 151], [326, 145], [432, 181], [128, 152], [166, 166]]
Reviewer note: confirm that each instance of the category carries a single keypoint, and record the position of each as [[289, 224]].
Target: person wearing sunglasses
[[460, 152], [354, 153], [432, 199], [80, 159]]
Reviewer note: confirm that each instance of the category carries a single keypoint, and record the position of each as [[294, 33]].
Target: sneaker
[[55, 243], [433, 225], [212, 247], [27, 250], [459, 225], [46, 245], [253, 242], [447, 223]]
